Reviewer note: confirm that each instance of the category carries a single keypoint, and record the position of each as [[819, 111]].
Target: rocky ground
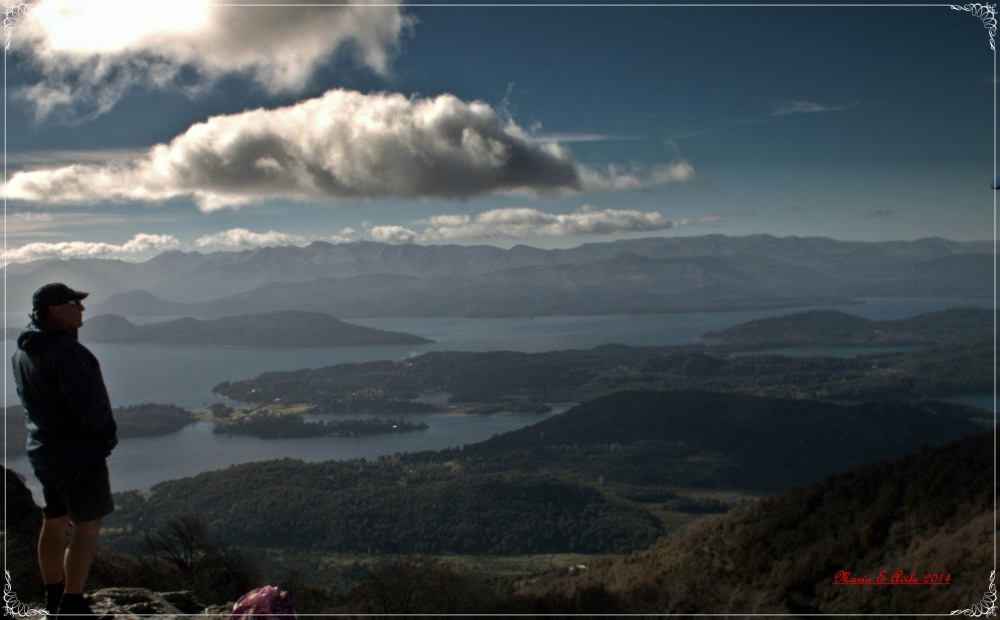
[[21, 530], [135, 602]]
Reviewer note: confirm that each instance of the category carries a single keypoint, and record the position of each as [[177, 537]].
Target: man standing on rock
[[71, 432]]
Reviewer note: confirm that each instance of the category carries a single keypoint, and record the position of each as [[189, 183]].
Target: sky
[[138, 127]]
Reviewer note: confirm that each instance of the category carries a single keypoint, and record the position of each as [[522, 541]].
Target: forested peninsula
[[288, 328], [150, 419], [271, 425], [521, 380]]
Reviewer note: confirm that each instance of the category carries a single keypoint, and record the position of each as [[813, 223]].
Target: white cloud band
[[138, 246], [809, 107], [241, 237], [344, 146], [393, 234], [527, 222]]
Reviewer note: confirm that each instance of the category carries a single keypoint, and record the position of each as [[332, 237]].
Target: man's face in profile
[[68, 315]]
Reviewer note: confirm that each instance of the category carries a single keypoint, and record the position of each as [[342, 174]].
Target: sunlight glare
[[102, 26]]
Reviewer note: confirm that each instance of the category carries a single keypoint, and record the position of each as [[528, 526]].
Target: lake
[[185, 375], [139, 463]]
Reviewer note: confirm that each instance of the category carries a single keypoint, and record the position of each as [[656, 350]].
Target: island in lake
[[145, 420], [150, 419], [276, 329]]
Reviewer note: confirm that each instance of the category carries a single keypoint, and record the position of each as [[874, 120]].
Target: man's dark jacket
[[62, 390]]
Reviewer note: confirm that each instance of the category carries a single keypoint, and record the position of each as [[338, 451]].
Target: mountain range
[[656, 274]]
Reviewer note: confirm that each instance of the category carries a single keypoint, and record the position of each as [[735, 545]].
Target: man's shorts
[[83, 493]]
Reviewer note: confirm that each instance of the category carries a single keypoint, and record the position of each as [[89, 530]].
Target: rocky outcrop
[[17, 431], [133, 602], [138, 602], [21, 523], [24, 513]]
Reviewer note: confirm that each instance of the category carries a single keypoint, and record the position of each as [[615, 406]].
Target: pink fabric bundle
[[263, 604]]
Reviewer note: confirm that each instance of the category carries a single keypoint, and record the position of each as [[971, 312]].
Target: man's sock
[[53, 595]]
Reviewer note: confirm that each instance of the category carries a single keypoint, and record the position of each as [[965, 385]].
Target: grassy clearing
[[206, 415]]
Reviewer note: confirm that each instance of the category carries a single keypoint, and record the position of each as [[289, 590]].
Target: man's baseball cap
[[53, 295]]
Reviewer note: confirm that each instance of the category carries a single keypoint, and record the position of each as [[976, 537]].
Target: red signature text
[[889, 578]]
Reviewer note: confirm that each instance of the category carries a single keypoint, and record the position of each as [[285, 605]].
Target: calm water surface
[[185, 375]]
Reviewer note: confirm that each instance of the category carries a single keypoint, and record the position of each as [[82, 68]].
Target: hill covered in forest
[[520, 381], [561, 485], [275, 329], [929, 514], [579, 482], [696, 439], [830, 328], [395, 506]]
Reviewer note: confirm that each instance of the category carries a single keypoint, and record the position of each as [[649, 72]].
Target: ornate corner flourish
[[15, 607], [987, 606], [985, 12], [11, 15]]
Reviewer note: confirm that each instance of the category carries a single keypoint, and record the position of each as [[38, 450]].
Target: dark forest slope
[[926, 513], [698, 439], [553, 487], [388, 506]]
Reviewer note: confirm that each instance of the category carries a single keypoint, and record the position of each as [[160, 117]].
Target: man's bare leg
[[80, 553], [51, 546]]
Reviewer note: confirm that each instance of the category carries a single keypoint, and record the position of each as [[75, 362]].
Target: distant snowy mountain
[[718, 272]]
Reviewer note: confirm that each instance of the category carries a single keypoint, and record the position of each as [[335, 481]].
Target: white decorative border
[[15, 607], [985, 12], [985, 607], [11, 15]]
